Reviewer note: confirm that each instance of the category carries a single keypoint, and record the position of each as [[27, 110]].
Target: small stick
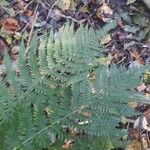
[[75, 20], [31, 31], [50, 10]]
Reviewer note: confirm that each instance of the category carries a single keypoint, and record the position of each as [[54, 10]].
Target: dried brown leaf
[[28, 13], [68, 144], [10, 25]]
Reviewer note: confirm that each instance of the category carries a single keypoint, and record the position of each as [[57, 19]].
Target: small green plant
[[63, 84]]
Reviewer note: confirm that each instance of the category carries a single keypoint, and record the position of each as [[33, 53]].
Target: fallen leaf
[[105, 60], [68, 144], [145, 143], [19, 4], [137, 56], [131, 29], [133, 134], [28, 13], [141, 87], [17, 35], [130, 1], [135, 145], [64, 4], [106, 40], [10, 25], [138, 140], [120, 23], [104, 12], [2, 48], [84, 9], [117, 56], [73, 132], [132, 104], [141, 123]]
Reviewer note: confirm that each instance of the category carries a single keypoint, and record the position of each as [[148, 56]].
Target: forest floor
[[128, 43]]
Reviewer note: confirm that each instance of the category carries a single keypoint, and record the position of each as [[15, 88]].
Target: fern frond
[[54, 90]]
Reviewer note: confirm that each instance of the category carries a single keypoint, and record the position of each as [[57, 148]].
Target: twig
[[25, 7], [75, 20], [121, 60], [50, 10], [31, 31]]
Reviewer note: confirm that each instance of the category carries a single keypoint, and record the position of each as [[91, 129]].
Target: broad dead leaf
[[10, 25], [64, 4], [133, 134], [84, 9], [106, 40], [135, 145], [141, 87], [68, 144], [133, 104], [130, 1], [28, 13], [137, 56], [73, 132], [104, 13], [145, 143], [117, 56], [139, 142], [19, 4], [141, 123]]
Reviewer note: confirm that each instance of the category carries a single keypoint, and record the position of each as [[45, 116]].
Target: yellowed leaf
[[106, 40], [135, 145], [84, 9], [132, 104], [124, 120], [130, 1], [64, 4]]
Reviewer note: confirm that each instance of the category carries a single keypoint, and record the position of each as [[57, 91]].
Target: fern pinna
[[55, 90]]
